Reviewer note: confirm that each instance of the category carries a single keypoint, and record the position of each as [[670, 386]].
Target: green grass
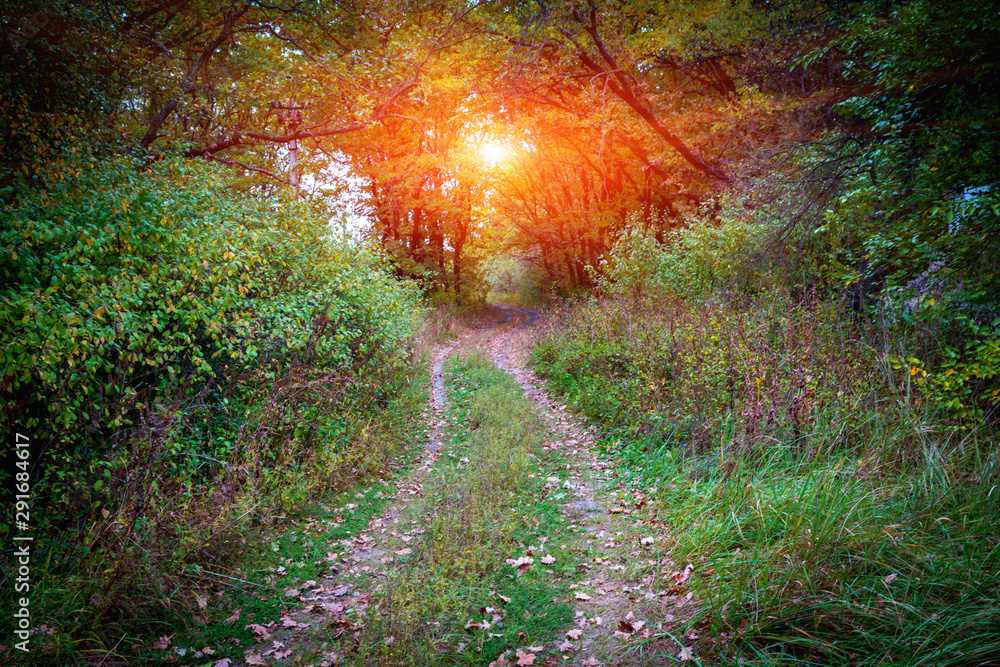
[[804, 561]]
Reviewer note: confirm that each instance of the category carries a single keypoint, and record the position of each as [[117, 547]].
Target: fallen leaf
[[681, 577], [574, 634], [472, 625], [525, 658], [163, 642], [256, 659], [225, 662], [235, 616], [548, 559], [592, 662], [565, 646], [647, 540], [523, 560], [888, 578], [685, 654], [404, 552], [259, 630], [522, 564], [501, 661]]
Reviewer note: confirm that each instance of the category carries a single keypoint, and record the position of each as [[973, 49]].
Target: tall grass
[[831, 517]]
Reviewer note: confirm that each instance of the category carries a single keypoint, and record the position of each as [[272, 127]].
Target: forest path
[[625, 600]]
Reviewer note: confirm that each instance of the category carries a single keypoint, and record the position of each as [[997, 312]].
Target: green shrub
[[179, 353]]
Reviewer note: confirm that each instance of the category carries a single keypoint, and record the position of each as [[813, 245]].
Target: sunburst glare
[[493, 151]]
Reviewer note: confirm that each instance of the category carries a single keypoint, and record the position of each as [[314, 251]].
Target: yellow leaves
[[99, 313]]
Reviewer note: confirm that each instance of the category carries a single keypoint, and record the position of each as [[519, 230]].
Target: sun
[[492, 151]]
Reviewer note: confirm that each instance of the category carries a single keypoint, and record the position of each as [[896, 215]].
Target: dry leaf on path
[[259, 630], [525, 657], [681, 577], [685, 654], [502, 661]]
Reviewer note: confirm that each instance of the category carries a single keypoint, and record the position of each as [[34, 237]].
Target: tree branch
[[621, 86], [243, 165], [188, 84]]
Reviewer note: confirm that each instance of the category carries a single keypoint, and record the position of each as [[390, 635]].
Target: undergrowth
[[834, 518]]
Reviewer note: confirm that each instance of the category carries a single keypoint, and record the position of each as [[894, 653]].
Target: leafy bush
[[703, 255], [179, 354]]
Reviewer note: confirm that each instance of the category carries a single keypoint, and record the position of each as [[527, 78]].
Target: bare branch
[[243, 165]]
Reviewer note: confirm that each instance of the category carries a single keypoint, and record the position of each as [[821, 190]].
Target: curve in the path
[[500, 356]]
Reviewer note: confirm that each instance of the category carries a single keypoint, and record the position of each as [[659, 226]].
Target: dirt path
[[631, 597], [626, 599]]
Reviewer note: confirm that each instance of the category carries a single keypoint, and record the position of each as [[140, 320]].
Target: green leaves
[[135, 294]]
